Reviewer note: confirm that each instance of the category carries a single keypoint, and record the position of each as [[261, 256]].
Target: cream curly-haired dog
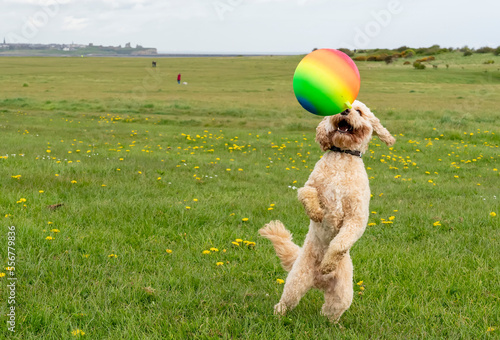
[[336, 198]]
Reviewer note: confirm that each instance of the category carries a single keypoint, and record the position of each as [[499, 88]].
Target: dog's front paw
[[280, 309], [316, 215], [327, 267]]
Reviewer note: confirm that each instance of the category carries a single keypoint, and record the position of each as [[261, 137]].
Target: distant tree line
[[407, 52]]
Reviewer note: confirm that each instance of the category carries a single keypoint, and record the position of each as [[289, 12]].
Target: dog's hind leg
[[339, 294], [299, 280]]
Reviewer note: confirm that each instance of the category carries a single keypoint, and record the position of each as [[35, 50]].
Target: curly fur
[[336, 198]]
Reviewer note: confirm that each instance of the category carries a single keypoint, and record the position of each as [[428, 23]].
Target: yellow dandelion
[[9, 268], [371, 224], [359, 283], [78, 332], [55, 230], [436, 224], [362, 288], [490, 329], [239, 240], [86, 256], [112, 255], [41, 191], [206, 252], [169, 251], [270, 208], [188, 208], [49, 238], [2, 274], [219, 263], [493, 214], [235, 243], [280, 281], [214, 249], [392, 218], [195, 200], [244, 219], [73, 182]]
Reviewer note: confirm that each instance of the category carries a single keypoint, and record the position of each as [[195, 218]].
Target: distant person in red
[[179, 78]]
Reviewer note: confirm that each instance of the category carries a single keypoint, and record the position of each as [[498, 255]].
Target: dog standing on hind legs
[[336, 198]]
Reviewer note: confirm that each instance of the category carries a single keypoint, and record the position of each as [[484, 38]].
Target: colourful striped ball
[[326, 82]]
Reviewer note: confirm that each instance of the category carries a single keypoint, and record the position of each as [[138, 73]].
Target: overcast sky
[[253, 26]]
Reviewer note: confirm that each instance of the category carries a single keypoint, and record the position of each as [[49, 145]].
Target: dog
[[336, 198]]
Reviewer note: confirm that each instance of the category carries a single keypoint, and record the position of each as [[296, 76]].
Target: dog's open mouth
[[344, 127]]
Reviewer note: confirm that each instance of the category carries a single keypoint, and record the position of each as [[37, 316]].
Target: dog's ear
[[382, 133], [378, 129], [323, 135]]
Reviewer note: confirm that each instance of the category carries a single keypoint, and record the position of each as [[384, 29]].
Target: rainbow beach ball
[[326, 82]]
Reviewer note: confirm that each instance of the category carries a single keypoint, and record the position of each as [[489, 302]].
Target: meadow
[[136, 201]]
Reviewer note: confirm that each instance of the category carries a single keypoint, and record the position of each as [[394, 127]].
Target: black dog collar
[[350, 152]]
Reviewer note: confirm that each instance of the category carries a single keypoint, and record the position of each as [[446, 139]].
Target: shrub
[[434, 49], [402, 48], [389, 59], [418, 66], [396, 55], [347, 51], [408, 53], [430, 58], [489, 62], [381, 57], [497, 51], [360, 58], [467, 53], [485, 49], [406, 63], [371, 58]]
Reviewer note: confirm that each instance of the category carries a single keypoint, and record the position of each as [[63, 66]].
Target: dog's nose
[[345, 113]]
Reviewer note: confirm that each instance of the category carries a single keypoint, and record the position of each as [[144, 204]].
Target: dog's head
[[351, 129]]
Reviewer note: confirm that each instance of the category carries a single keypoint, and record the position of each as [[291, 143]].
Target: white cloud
[[71, 23]]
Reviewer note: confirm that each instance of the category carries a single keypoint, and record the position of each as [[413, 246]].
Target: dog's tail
[[281, 238]]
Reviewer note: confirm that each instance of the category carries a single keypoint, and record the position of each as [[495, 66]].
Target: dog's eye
[[360, 113]]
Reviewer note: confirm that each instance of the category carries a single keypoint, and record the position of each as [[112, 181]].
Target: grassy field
[[164, 186]]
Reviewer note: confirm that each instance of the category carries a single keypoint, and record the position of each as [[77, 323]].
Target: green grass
[[130, 151]]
